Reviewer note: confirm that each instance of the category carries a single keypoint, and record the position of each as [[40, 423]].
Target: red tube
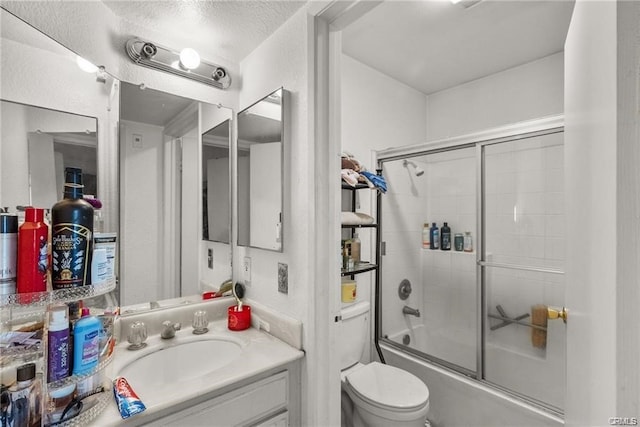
[[33, 261]]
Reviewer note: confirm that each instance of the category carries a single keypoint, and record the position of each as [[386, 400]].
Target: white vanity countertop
[[261, 352]]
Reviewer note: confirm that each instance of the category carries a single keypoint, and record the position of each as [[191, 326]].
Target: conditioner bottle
[[434, 236], [72, 235], [445, 237]]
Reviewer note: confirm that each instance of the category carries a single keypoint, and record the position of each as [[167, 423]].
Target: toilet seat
[[388, 388]]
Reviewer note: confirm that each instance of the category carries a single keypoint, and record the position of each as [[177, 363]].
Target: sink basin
[[183, 361]]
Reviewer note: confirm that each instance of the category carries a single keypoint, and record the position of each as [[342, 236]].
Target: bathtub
[[457, 400]]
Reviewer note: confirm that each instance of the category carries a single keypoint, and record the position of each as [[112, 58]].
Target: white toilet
[[375, 394]]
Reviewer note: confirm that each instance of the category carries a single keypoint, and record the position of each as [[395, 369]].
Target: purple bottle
[[58, 345]]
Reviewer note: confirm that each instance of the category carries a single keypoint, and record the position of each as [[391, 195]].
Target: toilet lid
[[388, 386]]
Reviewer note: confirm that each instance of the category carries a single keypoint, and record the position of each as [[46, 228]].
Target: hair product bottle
[[33, 244], [8, 253], [434, 236], [355, 249], [445, 238], [58, 344], [425, 235], [72, 235]]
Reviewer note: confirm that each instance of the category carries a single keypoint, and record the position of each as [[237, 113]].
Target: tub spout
[[411, 311]]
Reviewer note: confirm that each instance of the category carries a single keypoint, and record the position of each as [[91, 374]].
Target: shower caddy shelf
[[363, 266], [366, 266], [31, 308]]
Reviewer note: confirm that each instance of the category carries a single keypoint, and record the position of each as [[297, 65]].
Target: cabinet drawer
[[244, 406]]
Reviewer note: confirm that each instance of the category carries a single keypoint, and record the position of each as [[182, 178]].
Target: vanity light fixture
[[186, 63]]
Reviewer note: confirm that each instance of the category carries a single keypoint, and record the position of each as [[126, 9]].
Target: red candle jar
[[239, 318]]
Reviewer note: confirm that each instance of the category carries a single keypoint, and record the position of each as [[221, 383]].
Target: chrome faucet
[[169, 329], [411, 311]]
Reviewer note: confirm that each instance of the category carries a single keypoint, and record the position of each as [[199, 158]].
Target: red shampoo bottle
[[33, 261]]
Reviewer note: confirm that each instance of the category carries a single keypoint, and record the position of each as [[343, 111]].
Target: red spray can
[[33, 244]]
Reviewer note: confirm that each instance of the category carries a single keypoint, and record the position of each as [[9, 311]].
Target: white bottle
[[425, 236]]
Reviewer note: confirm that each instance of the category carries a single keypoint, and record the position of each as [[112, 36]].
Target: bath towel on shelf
[[356, 218]]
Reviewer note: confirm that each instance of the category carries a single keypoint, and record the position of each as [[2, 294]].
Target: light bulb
[[189, 58], [85, 65]]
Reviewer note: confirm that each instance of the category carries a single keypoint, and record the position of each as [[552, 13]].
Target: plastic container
[[355, 249], [239, 317], [58, 344], [458, 242], [425, 236], [349, 290], [26, 397], [445, 238], [434, 236], [71, 235], [33, 250], [8, 253], [86, 344], [468, 242]]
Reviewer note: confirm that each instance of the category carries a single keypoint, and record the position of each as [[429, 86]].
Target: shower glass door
[[483, 313], [522, 266], [429, 300]]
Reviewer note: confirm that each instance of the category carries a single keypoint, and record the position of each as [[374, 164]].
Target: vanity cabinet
[[267, 402]]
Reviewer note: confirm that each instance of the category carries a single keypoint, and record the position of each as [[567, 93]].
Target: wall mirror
[[260, 162], [161, 196], [38, 144], [54, 114], [216, 194]]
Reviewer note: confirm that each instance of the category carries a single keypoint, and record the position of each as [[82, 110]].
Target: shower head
[[418, 171]]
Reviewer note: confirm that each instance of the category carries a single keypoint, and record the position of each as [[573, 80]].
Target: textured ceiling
[[228, 29], [434, 45]]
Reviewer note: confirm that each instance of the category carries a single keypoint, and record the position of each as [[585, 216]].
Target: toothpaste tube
[[128, 401]]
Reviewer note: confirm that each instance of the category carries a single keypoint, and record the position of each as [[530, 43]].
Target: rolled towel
[[356, 218], [539, 313]]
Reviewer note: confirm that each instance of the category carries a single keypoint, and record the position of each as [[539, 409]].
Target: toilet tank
[[353, 333]]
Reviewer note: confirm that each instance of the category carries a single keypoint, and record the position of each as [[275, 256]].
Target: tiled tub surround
[[263, 356]]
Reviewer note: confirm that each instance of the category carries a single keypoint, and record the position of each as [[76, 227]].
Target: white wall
[[526, 92], [377, 112], [282, 60]]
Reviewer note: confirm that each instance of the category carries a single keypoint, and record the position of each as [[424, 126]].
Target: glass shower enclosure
[[483, 312]]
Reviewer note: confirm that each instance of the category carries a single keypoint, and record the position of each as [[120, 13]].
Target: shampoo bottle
[[72, 235], [434, 236], [33, 262], [58, 344], [445, 238], [425, 235], [86, 343]]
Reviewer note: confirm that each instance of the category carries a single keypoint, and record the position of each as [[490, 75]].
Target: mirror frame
[[283, 140]]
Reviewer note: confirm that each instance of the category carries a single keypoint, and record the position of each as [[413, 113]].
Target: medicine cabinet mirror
[[161, 140], [216, 194], [53, 115], [260, 171]]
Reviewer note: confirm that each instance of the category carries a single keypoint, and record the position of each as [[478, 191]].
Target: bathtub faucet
[[412, 311]]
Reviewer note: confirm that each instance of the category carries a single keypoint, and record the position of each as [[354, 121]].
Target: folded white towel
[[356, 218]]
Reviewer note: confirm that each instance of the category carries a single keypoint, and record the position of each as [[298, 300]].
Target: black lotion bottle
[[445, 237], [71, 235]]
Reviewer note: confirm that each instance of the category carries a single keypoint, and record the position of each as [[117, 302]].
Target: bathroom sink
[[179, 362]]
